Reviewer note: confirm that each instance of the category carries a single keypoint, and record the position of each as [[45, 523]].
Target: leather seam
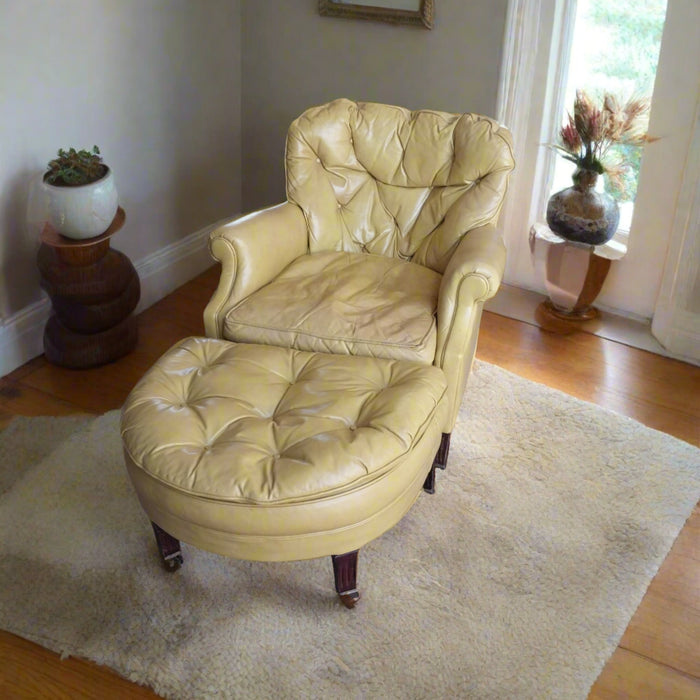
[[234, 263], [454, 314], [420, 344]]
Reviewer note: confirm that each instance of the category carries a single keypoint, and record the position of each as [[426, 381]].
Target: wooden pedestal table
[[93, 290], [573, 274]]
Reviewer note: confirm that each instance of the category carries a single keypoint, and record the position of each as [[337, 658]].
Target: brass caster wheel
[[349, 599], [173, 563]]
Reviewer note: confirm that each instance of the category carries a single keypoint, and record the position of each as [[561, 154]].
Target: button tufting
[[216, 446]]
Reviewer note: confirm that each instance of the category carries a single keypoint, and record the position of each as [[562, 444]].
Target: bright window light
[[615, 48]]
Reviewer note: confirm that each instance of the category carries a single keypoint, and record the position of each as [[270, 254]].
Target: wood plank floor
[[659, 655]]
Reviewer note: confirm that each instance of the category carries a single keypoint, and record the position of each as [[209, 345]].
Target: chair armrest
[[474, 271], [472, 276], [252, 251]]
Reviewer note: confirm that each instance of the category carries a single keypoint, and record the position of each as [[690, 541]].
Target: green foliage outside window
[[629, 33]]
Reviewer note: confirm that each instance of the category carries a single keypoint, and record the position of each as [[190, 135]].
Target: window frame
[[531, 96], [666, 218]]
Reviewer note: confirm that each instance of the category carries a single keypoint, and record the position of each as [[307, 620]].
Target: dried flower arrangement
[[589, 134]]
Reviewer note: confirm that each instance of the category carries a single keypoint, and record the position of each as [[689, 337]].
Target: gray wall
[[293, 59], [155, 83], [190, 101]]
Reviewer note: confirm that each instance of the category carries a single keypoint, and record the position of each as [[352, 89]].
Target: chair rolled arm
[[472, 276], [481, 254], [252, 251]]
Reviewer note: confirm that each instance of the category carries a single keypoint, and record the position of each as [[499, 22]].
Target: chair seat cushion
[[344, 303]]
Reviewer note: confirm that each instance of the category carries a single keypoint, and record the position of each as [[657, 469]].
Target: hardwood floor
[[659, 655]]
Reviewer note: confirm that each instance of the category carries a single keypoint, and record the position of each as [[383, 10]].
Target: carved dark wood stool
[[93, 290]]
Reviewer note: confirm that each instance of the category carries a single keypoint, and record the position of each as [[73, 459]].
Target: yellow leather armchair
[[387, 245]]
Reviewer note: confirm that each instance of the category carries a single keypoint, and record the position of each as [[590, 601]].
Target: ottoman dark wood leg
[[429, 483], [440, 462], [443, 451], [169, 548], [345, 572]]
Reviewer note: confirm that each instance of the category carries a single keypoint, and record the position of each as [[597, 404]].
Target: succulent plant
[[73, 168]]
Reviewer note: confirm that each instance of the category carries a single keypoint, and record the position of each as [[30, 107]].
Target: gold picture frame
[[395, 11]]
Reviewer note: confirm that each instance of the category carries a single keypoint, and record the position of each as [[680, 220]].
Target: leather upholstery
[[253, 250], [423, 187], [345, 303], [381, 179], [263, 452]]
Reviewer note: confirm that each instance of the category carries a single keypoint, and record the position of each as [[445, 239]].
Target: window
[[615, 48], [659, 273]]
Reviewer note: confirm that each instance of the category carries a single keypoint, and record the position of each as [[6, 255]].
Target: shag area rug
[[515, 580]]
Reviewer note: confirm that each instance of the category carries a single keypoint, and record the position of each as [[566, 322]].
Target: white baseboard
[[21, 335], [169, 268], [678, 329]]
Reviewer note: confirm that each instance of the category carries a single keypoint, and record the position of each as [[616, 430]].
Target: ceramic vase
[[84, 211], [582, 214]]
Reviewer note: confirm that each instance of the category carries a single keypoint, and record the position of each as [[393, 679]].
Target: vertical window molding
[[518, 62], [557, 78], [676, 322], [516, 80], [532, 80]]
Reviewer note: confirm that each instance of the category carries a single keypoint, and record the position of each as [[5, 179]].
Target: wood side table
[[93, 290], [573, 274]]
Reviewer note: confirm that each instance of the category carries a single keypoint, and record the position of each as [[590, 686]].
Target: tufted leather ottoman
[[270, 454]]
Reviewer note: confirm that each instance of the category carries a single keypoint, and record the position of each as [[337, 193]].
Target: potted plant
[[82, 194], [580, 213]]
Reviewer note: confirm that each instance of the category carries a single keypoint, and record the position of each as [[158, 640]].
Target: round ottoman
[[271, 454]]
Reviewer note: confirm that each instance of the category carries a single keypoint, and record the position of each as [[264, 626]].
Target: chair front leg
[[443, 451]]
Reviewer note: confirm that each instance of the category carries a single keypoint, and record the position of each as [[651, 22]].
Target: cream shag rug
[[515, 580]]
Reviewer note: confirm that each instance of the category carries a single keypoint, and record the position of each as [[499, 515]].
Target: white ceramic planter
[[84, 211]]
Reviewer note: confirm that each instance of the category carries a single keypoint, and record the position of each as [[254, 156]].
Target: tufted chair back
[[385, 180]]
